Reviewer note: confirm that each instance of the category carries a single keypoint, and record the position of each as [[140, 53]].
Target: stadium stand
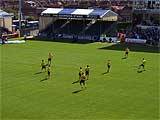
[[76, 22], [146, 21], [150, 33]]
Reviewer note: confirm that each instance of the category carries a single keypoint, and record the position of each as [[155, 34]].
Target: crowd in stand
[[151, 34], [147, 5]]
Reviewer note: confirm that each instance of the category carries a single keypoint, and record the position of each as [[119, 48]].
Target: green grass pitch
[[121, 94]]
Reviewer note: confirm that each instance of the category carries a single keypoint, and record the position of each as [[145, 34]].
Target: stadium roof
[[79, 12], [4, 14]]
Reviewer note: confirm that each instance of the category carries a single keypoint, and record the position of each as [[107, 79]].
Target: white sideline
[[13, 42]]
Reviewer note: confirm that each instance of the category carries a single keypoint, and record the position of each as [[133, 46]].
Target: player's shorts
[[108, 66], [87, 73], [49, 73], [142, 65], [82, 81], [49, 59], [43, 67], [127, 53]]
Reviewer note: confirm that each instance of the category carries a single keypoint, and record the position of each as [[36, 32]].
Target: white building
[[6, 20]]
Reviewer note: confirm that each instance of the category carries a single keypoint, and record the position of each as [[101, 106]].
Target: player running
[[126, 52], [142, 64], [80, 72], [83, 80], [43, 65], [50, 56], [48, 71], [108, 66], [87, 71]]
